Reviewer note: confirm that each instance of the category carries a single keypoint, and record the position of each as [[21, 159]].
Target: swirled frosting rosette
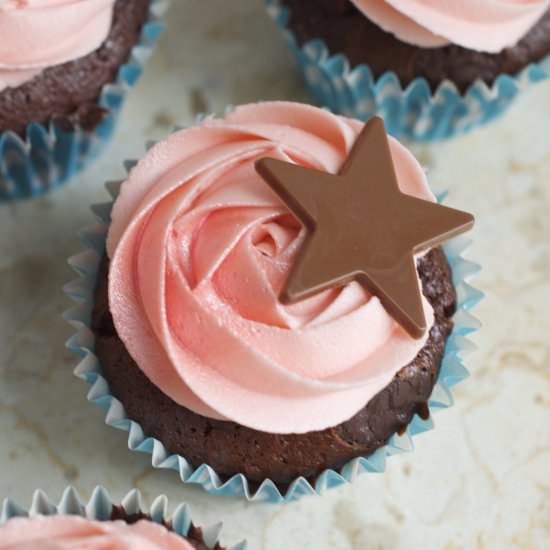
[[490, 25], [199, 249], [37, 34], [182, 334]]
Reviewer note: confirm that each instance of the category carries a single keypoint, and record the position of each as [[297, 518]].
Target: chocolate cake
[[230, 448]]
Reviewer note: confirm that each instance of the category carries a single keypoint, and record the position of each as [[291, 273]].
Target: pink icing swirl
[[200, 247], [37, 34], [487, 25], [76, 533]]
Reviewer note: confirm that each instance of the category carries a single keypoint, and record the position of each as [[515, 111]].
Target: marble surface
[[481, 480]]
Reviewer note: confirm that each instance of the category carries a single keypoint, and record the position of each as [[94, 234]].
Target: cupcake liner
[[99, 507], [81, 290], [49, 157], [411, 111]]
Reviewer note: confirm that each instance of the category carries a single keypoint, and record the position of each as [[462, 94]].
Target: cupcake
[[65, 68], [102, 524], [432, 69], [259, 329]]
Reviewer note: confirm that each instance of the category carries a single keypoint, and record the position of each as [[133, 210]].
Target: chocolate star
[[361, 227]]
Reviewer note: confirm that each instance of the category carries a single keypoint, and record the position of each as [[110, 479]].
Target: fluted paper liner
[[48, 157], [411, 111], [82, 343], [100, 508]]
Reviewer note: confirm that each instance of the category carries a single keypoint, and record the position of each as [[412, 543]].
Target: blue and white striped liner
[[412, 112], [100, 507], [50, 156], [82, 343]]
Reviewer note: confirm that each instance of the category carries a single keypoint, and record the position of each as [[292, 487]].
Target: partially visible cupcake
[[433, 69], [65, 68], [194, 333], [100, 524]]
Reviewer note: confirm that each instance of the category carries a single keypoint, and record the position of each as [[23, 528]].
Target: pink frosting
[[484, 25], [37, 34], [200, 248], [76, 533]]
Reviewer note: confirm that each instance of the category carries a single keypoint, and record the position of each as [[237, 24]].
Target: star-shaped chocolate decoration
[[361, 227]]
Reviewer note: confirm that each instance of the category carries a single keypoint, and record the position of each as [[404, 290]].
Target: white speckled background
[[480, 480]]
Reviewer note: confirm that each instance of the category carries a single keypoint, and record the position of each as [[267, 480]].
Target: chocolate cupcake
[[392, 57], [256, 313], [64, 70], [100, 524]]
